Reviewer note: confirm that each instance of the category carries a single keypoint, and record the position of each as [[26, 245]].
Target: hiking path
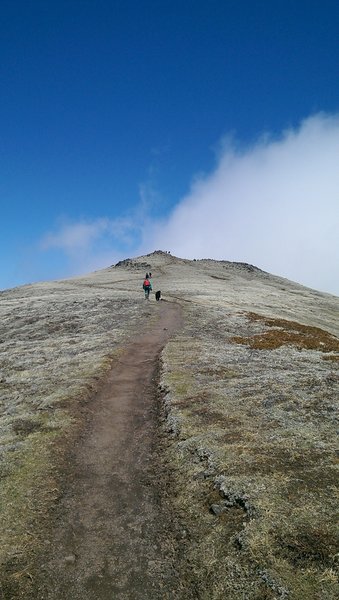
[[112, 537]]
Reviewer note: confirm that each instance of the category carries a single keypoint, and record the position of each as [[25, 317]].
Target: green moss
[[26, 495]]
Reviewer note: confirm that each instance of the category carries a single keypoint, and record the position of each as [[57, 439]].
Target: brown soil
[[113, 536]]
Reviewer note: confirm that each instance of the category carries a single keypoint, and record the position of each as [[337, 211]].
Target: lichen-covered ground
[[249, 390], [254, 441], [57, 342]]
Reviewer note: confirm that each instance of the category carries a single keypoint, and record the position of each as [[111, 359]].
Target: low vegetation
[[280, 332], [253, 420], [57, 340], [248, 396]]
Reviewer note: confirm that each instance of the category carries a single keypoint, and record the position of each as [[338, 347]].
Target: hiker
[[146, 286], [150, 281]]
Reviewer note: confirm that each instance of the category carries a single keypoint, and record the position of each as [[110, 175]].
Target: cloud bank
[[92, 243], [274, 204]]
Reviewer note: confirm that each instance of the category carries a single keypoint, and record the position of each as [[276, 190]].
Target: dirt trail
[[113, 538]]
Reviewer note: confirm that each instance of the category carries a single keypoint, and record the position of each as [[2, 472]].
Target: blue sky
[[128, 126]]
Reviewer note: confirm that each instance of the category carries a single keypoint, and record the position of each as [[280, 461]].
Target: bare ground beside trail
[[113, 536]]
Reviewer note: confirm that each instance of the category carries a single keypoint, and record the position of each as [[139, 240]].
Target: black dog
[[158, 295]]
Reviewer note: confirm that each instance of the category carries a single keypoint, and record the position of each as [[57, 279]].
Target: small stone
[[217, 509], [70, 559]]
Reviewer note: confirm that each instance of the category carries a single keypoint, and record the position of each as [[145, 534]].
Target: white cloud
[[92, 244], [275, 205], [75, 237]]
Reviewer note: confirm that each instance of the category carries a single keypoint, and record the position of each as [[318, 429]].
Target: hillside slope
[[248, 391]]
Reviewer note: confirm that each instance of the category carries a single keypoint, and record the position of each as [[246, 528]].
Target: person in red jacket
[[147, 287]]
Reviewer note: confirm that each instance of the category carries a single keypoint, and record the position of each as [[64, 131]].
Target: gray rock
[[217, 509], [70, 559]]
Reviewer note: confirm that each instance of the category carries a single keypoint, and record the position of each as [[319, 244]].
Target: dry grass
[[254, 448], [249, 413], [58, 341], [285, 332]]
